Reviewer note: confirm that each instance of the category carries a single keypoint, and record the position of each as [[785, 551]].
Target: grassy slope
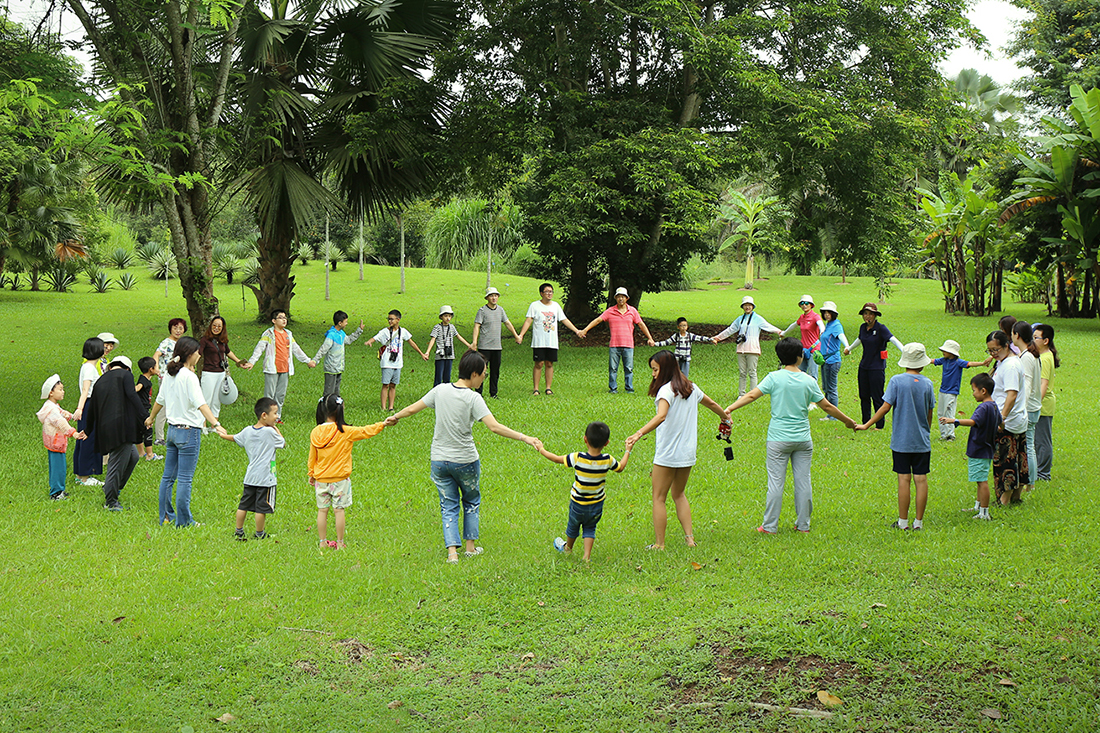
[[110, 622]]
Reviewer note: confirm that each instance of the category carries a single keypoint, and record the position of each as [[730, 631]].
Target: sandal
[[655, 547], [690, 540], [549, 391], [535, 393]]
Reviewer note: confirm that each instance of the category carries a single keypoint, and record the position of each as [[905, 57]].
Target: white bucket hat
[[806, 299], [830, 306], [446, 309], [120, 359], [107, 337], [913, 356], [951, 347], [49, 384], [491, 291], [748, 299], [622, 291]]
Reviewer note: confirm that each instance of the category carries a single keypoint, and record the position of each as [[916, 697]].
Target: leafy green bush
[[127, 281], [524, 262], [100, 282], [149, 250], [250, 271], [225, 260], [121, 258], [330, 253], [163, 265], [59, 278], [1029, 286], [305, 252]]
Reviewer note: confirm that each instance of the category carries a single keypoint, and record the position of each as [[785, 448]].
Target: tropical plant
[[250, 271], [100, 282], [331, 254], [162, 265], [127, 281], [121, 258], [465, 227], [147, 251], [59, 278], [1030, 285], [226, 263], [304, 252]]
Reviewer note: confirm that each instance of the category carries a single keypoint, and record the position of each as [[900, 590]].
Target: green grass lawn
[[109, 622]]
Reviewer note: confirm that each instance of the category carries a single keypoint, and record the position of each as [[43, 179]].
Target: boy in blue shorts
[[950, 383], [979, 446], [586, 497], [913, 398], [260, 443]]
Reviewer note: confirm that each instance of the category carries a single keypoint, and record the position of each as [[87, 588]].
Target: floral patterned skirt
[[1010, 469]]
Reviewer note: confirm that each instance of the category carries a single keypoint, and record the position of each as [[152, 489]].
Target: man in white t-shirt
[[545, 314]]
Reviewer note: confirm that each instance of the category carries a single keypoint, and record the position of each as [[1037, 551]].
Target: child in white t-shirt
[[391, 356]]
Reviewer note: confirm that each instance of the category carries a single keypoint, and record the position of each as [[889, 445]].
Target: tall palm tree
[[320, 95]]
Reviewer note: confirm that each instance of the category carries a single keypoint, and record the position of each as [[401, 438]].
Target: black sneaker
[[259, 535], [59, 496], [114, 506], [239, 535]]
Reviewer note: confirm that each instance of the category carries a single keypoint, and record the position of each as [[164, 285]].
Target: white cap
[[120, 359], [49, 384], [806, 299], [622, 291], [951, 347], [748, 299], [107, 337], [829, 305], [913, 356], [446, 309], [491, 291]]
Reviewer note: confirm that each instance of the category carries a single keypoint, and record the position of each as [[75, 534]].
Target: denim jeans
[[830, 378], [180, 461], [1032, 456], [810, 367], [459, 486], [626, 356], [583, 519], [443, 371]]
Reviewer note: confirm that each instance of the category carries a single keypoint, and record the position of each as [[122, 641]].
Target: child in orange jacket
[[330, 464]]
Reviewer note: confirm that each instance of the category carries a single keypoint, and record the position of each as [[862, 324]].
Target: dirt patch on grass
[[356, 651]]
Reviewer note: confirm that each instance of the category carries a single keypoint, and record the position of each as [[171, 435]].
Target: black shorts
[[257, 499], [148, 440], [912, 463], [550, 355]]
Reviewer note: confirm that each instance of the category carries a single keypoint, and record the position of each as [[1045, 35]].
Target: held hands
[[631, 440], [149, 421], [519, 339], [857, 428], [390, 421], [582, 333], [652, 342], [532, 441], [245, 365], [945, 420], [538, 445], [221, 431], [423, 356], [847, 351], [312, 364], [80, 435]]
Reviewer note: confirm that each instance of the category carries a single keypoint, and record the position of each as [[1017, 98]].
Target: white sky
[[995, 18]]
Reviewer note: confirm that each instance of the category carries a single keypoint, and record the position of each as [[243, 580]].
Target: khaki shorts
[[336, 495]]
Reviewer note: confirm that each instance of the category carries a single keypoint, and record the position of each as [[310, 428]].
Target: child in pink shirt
[[55, 433]]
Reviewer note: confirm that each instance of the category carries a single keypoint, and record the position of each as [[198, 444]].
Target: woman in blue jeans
[[455, 463], [187, 413], [832, 342]]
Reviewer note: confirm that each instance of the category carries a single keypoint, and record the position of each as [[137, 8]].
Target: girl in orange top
[[330, 464]]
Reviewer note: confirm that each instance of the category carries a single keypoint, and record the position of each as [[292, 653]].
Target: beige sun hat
[[491, 291], [747, 300], [806, 299], [108, 338], [913, 356], [49, 384], [951, 347], [120, 359], [622, 291], [830, 306], [446, 309]]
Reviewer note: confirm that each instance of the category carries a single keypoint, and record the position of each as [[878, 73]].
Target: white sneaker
[[986, 517], [476, 551], [559, 544]]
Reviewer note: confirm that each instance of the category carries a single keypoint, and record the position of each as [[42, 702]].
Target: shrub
[[121, 258], [225, 260], [148, 251], [1029, 286], [305, 252], [163, 265], [250, 271], [331, 253], [59, 279], [100, 282], [15, 282], [127, 281]]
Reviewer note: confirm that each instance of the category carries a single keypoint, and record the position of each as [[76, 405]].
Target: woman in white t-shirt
[[181, 399], [86, 461], [455, 462], [1022, 334], [1009, 392], [676, 422]]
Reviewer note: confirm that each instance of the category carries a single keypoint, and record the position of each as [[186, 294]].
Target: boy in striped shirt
[[682, 340], [586, 497]]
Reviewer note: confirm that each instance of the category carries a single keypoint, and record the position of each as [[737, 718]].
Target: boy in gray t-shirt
[[488, 324], [260, 443]]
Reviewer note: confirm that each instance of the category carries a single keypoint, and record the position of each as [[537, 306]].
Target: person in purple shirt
[[871, 377], [980, 445]]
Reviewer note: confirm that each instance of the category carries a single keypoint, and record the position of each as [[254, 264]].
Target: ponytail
[[331, 407], [185, 347]]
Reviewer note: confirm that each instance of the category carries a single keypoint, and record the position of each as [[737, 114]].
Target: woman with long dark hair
[[677, 400], [1044, 437], [1022, 338], [1010, 448], [181, 399], [86, 462], [216, 354]]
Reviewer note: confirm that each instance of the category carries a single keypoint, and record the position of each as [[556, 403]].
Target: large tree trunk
[[276, 284], [580, 289], [187, 216]]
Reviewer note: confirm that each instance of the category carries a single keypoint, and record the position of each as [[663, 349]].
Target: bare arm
[[405, 412], [526, 325], [833, 410], [623, 462], [749, 397], [1044, 386], [519, 339], [477, 332], [569, 324], [1010, 400], [423, 354], [595, 322], [662, 413], [459, 337], [547, 454], [505, 431], [645, 330], [879, 414], [85, 390], [714, 407]]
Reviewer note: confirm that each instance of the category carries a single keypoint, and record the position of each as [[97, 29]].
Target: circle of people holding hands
[[1009, 444]]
